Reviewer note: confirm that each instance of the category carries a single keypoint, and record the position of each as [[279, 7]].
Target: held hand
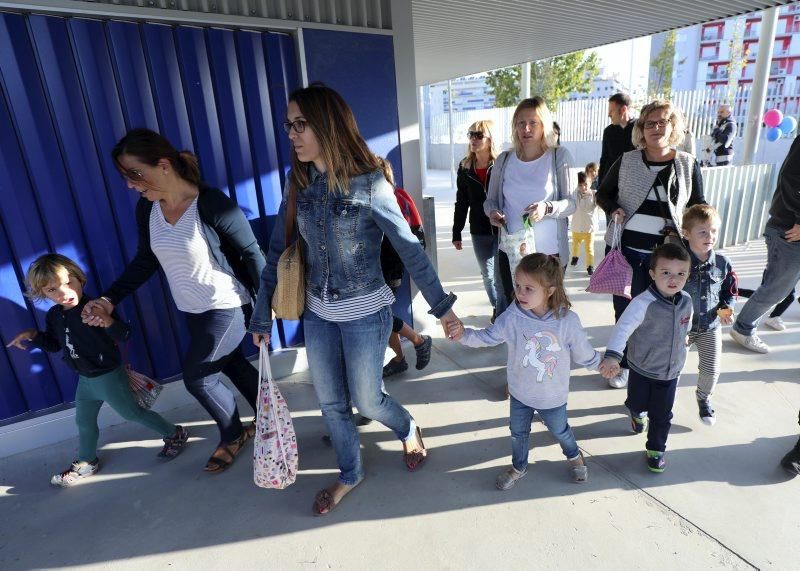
[[618, 216], [455, 330], [22, 338], [609, 367], [793, 233], [446, 320], [458, 245], [103, 316], [497, 218], [88, 315], [536, 210], [258, 337]]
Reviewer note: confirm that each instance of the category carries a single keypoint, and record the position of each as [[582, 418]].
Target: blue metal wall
[[69, 89]]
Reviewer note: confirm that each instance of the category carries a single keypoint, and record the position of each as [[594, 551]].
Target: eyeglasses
[[475, 135], [299, 126], [531, 124], [132, 175], [661, 123]]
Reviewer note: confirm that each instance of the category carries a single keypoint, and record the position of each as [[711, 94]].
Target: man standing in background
[[722, 136], [617, 137]]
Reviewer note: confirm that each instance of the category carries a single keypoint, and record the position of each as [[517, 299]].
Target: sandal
[[174, 445], [216, 464], [416, 458], [324, 502]]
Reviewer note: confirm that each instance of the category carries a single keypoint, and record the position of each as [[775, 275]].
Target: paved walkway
[[723, 500]]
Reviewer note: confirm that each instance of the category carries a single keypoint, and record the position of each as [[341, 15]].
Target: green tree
[[504, 84], [661, 67], [554, 79]]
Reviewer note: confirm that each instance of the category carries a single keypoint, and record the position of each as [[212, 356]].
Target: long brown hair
[[547, 271], [150, 147], [343, 149]]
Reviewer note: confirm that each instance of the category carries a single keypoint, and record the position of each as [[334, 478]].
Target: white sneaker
[[619, 381], [775, 323], [752, 342]]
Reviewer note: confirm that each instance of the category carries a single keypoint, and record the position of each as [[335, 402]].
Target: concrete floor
[[723, 500]]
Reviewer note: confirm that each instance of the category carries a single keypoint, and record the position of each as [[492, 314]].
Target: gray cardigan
[[562, 207], [635, 180]]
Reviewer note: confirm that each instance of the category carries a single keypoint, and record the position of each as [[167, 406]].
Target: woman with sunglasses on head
[[530, 184], [645, 193], [340, 203], [474, 173], [204, 244]]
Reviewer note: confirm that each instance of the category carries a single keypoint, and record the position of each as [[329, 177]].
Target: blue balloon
[[788, 125], [773, 134]]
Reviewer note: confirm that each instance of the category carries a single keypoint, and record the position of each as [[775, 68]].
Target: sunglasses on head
[[475, 135]]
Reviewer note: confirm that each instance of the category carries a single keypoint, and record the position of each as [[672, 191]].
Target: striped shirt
[[196, 281], [643, 230], [349, 309]]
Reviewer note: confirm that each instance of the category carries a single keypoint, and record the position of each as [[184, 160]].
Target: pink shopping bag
[[614, 274], [275, 457]]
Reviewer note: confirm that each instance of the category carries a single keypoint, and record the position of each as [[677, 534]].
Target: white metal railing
[[585, 119]]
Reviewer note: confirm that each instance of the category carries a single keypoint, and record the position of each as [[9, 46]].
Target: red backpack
[[410, 213]]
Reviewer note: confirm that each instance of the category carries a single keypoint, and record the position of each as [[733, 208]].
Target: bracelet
[[106, 299], [548, 208]]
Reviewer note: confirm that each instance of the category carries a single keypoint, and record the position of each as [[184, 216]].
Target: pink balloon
[[773, 118]]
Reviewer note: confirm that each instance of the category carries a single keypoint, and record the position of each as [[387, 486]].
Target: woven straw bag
[[289, 297]]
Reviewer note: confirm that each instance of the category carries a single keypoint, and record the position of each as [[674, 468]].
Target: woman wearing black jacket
[[202, 241], [473, 180]]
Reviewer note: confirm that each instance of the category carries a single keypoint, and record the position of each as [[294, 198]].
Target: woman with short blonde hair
[[645, 193]]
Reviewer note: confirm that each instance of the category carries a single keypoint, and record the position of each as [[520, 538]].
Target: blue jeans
[[780, 276], [485, 248], [346, 360], [555, 419]]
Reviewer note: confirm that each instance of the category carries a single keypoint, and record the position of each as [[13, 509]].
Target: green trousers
[[111, 388]]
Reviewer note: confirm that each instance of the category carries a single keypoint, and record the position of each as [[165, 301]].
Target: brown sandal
[[216, 465], [324, 502], [416, 458]]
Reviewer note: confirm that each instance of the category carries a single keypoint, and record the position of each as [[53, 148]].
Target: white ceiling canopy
[[453, 38]]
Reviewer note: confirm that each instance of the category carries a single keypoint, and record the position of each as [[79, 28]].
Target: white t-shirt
[[525, 183], [196, 280]]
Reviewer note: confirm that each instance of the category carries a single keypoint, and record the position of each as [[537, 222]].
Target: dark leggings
[[397, 324], [215, 338]]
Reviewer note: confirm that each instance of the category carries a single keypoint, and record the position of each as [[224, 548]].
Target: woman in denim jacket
[[343, 207]]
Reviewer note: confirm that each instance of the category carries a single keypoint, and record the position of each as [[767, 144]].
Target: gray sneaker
[[507, 478], [77, 471], [395, 367], [752, 342]]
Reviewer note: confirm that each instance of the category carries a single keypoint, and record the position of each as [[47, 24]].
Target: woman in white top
[[531, 180]]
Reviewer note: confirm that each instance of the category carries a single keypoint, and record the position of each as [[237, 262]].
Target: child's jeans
[[585, 238], [655, 398], [111, 388], [555, 419], [709, 350]]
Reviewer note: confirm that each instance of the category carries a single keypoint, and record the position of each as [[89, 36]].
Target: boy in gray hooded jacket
[[655, 327]]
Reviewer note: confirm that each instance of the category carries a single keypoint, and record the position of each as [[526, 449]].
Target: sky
[[626, 60]]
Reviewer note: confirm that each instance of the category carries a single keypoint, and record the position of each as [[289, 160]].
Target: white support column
[[407, 99], [525, 81], [758, 94], [450, 129]]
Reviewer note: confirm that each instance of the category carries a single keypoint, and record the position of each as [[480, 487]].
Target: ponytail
[[188, 167], [150, 147]]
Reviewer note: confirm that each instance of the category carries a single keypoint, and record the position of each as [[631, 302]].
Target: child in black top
[[92, 352]]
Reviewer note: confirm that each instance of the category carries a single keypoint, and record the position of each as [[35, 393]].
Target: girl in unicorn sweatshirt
[[543, 338]]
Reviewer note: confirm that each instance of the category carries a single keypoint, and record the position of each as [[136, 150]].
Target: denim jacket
[[342, 234], [712, 285]]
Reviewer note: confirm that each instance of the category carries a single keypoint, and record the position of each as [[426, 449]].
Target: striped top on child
[[195, 279]]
